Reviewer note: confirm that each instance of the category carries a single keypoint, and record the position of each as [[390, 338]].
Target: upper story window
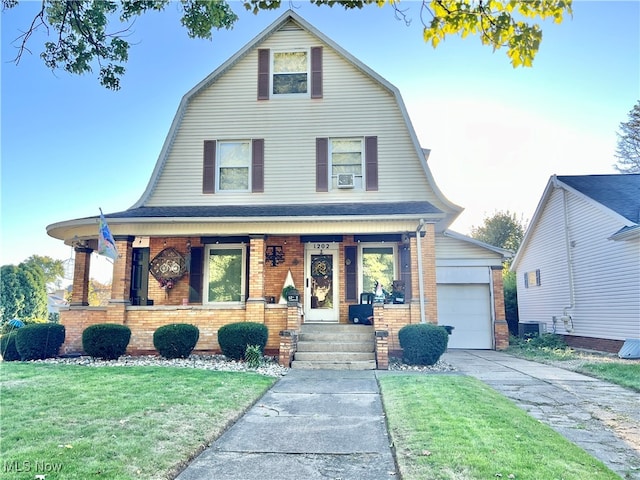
[[234, 165], [346, 162], [290, 72]]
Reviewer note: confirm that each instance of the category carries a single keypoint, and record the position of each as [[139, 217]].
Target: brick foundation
[[598, 344]]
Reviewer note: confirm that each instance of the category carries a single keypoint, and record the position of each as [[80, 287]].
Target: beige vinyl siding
[[353, 105], [454, 252], [606, 273]]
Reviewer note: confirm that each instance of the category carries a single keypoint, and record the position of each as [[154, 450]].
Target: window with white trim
[[377, 264], [290, 72], [346, 163], [225, 277], [234, 166]]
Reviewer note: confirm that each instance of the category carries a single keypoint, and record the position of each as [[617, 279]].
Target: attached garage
[[466, 307]]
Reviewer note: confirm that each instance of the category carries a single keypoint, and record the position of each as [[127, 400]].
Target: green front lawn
[[114, 422], [550, 349], [454, 427]]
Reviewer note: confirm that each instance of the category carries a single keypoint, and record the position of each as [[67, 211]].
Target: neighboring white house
[[578, 266]]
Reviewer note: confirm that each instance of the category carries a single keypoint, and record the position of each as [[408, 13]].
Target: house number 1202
[[321, 246]]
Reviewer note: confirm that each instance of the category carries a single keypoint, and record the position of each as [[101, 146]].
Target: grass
[[114, 422], [551, 350], [626, 375], [447, 427]]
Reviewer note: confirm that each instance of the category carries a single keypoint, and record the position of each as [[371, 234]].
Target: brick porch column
[[501, 327], [427, 238], [381, 337], [256, 301], [121, 283], [82, 265]]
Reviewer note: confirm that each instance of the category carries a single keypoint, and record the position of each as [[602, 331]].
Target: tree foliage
[[23, 292], [53, 270], [628, 151], [84, 38], [502, 229]]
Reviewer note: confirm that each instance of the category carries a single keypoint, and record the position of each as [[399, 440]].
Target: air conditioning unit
[[345, 180], [531, 329]]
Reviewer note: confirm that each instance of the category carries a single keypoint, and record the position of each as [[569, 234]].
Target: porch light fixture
[[275, 255]]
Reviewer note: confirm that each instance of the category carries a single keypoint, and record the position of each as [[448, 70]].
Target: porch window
[[290, 72], [225, 273], [346, 163], [234, 165], [378, 263]]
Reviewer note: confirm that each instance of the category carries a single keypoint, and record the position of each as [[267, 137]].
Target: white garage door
[[467, 308]]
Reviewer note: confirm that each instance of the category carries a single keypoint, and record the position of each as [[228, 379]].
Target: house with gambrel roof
[[291, 163]]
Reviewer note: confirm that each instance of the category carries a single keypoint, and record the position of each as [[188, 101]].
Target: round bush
[[39, 340], [8, 347], [107, 341], [176, 340], [235, 337], [423, 343]]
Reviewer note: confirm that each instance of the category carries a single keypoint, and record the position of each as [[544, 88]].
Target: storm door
[[321, 282]]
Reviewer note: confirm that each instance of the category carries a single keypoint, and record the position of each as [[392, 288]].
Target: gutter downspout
[[420, 279], [566, 318]]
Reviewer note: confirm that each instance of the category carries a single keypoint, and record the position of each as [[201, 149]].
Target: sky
[[496, 134]]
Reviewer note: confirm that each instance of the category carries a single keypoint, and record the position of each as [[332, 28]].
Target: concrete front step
[[335, 347], [329, 365], [367, 345], [340, 357]]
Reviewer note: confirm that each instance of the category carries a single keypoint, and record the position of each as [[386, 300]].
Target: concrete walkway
[[313, 424], [321, 424], [602, 418]]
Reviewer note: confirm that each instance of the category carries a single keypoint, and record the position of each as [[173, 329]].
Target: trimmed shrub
[[234, 338], [422, 343], [176, 340], [8, 347], [107, 341], [39, 340]]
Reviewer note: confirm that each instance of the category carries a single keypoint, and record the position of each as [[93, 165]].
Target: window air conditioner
[[345, 180]]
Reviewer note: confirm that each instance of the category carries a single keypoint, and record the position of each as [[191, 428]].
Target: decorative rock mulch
[[269, 368]]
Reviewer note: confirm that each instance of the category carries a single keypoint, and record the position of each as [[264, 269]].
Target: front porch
[[144, 302]]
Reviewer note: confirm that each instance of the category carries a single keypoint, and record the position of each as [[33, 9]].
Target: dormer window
[[290, 72]]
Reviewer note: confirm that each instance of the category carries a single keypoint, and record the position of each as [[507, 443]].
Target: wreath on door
[[321, 266]]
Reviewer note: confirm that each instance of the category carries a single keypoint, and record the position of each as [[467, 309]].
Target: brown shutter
[[263, 73], [316, 72], [351, 269], [257, 165], [196, 265], [209, 167], [322, 164], [371, 162]]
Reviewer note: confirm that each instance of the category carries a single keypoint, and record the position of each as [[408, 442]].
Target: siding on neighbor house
[[353, 104], [606, 273]]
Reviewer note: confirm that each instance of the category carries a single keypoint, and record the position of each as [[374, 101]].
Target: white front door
[[321, 282]]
